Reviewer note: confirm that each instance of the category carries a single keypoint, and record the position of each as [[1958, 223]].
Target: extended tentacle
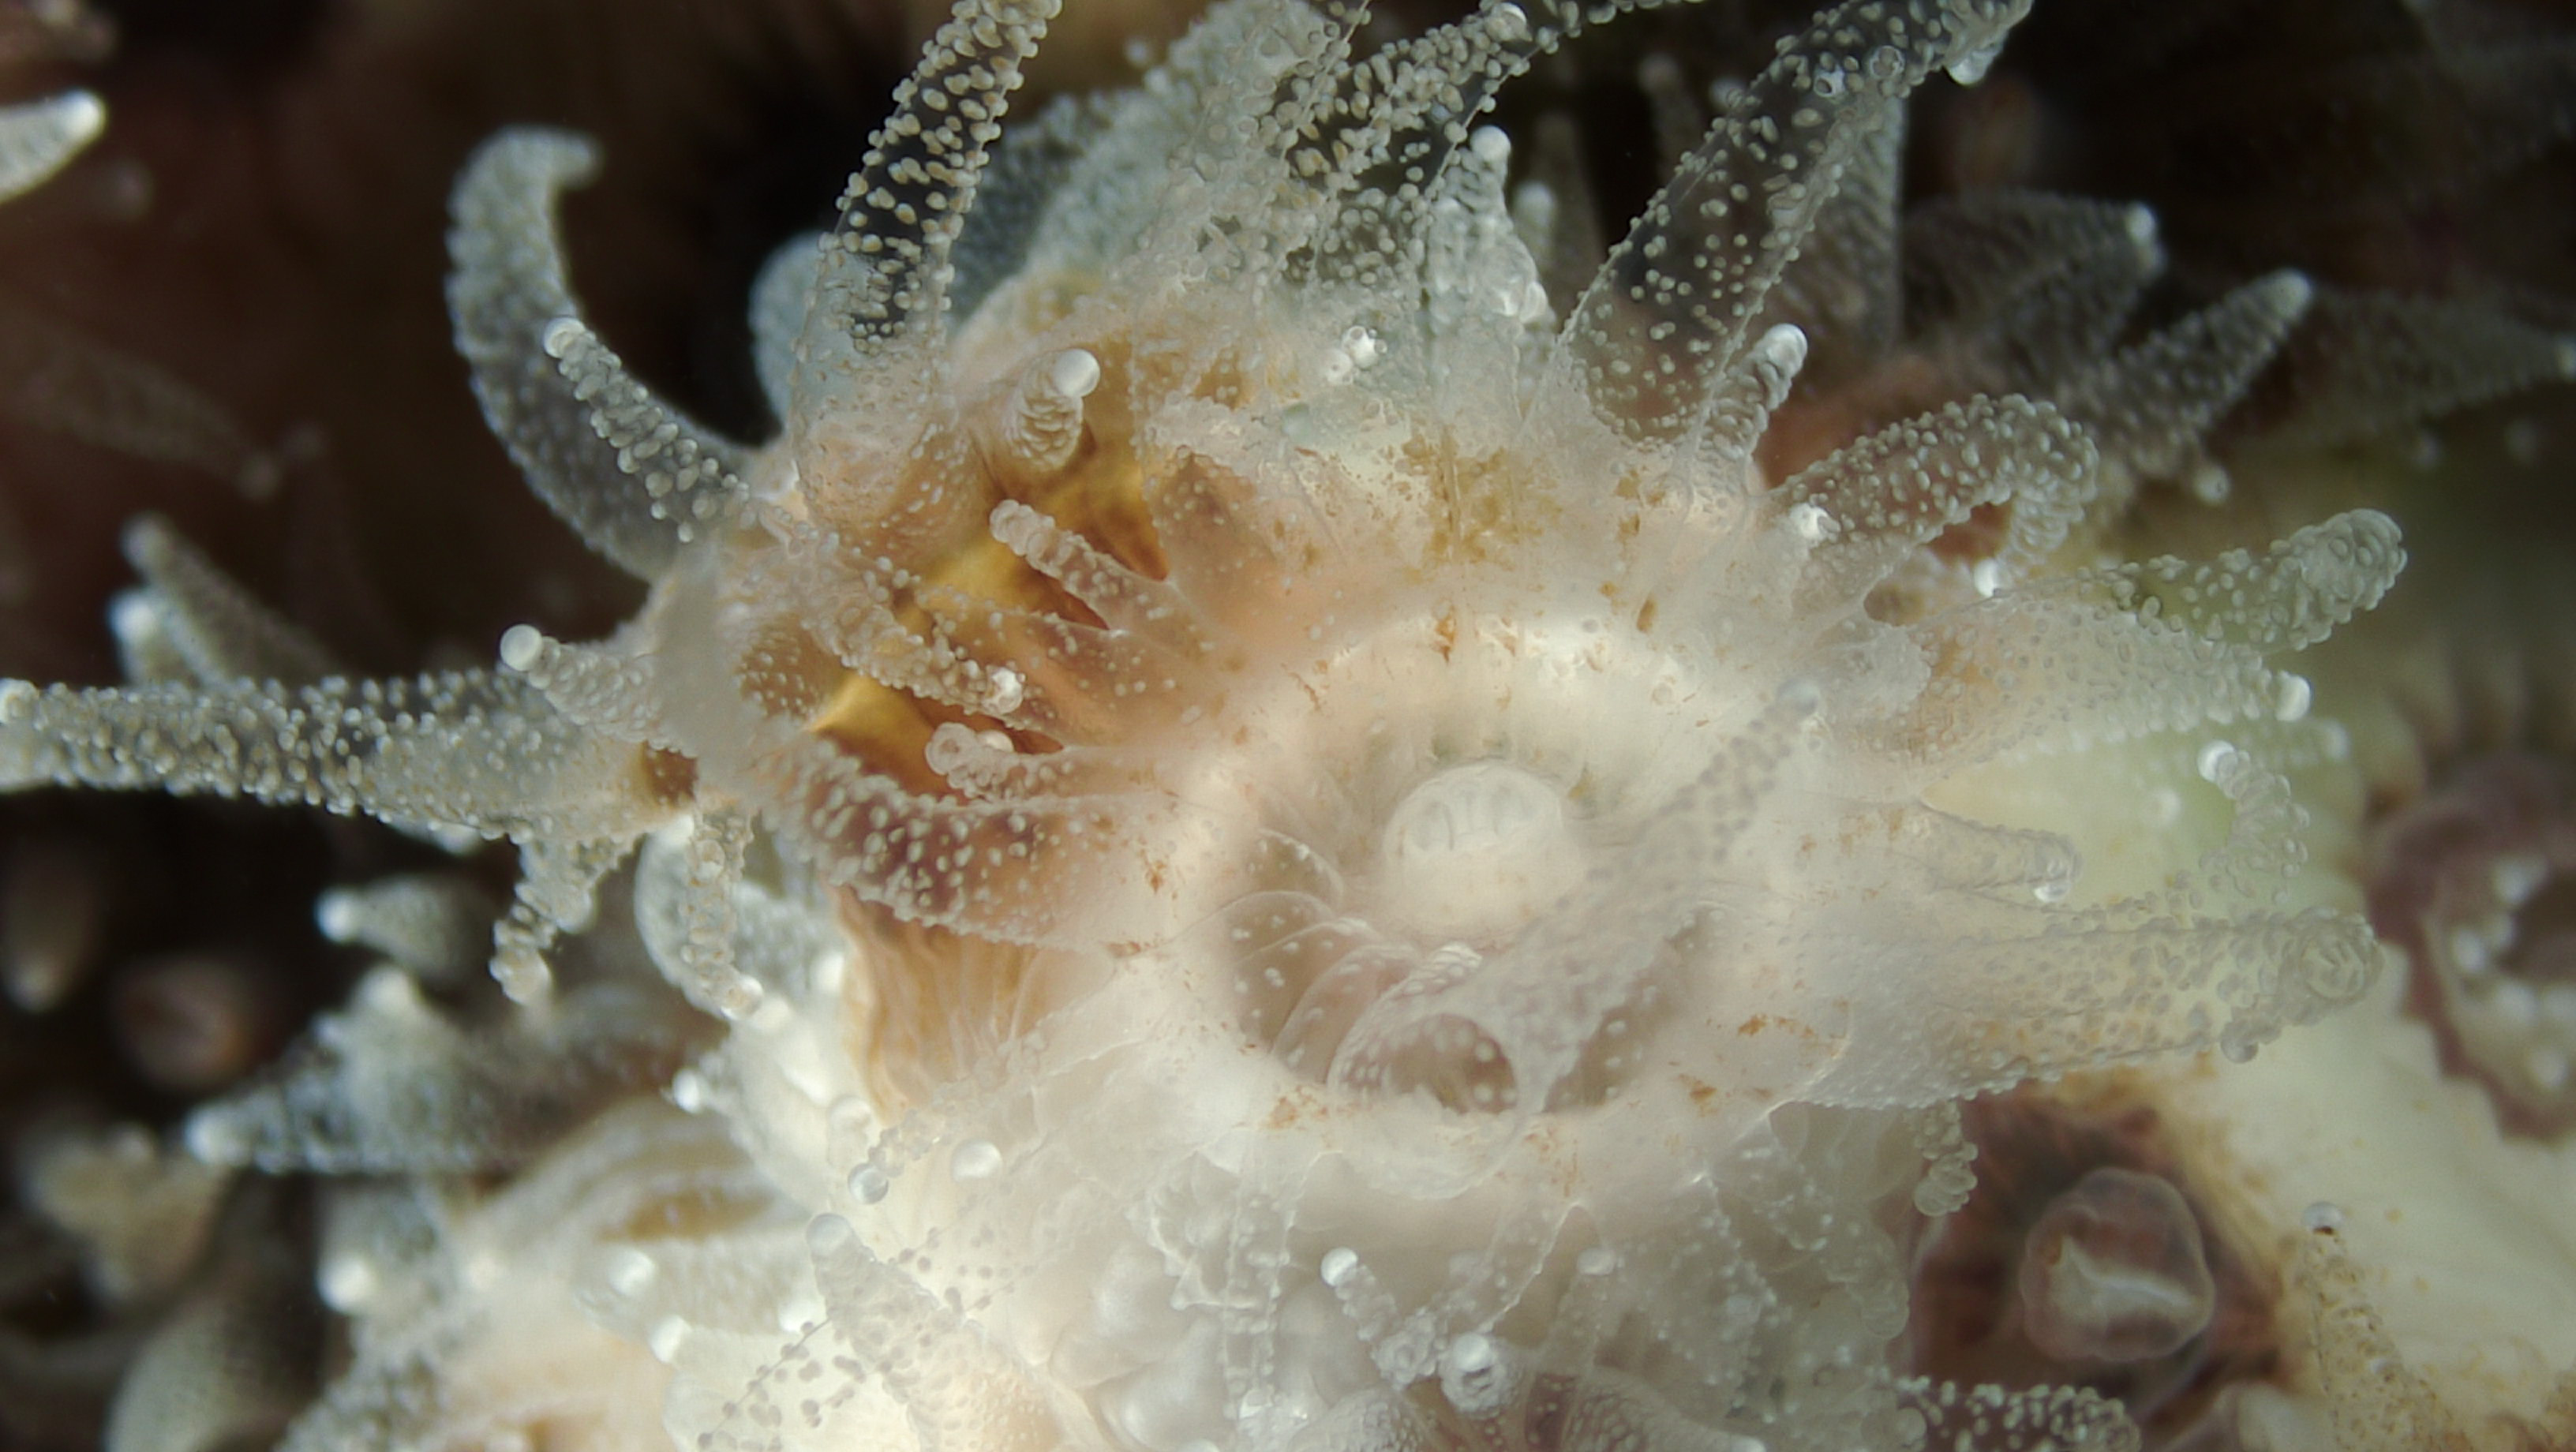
[[1122, 598], [2287, 598], [959, 1392], [872, 359], [780, 296], [1676, 302], [1845, 288], [466, 750], [2026, 285], [2088, 652], [2149, 406], [67, 383], [692, 480], [1870, 505], [218, 631], [508, 292], [394, 1085], [988, 767], [1972, 1017], [686, 887], [1038, 871], [2368, 364]]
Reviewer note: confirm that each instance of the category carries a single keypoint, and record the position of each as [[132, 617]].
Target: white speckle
[[689, 1091], [976, 1159], [2215, 760], [830, 1235], [562, 336], [521, 645], [1971, 68], [2516, 876], [666, 1338], [1074, 373], [347, 1282], [1338, 1265], [1005, 690], [631, 1271], [1596, 1260], [2296, 695], [868, 1184], [336, 912], [2515, 1002], [2548, 1067]]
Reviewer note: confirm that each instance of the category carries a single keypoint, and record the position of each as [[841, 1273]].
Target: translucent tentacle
[[1555, 214], [870, 355], [958, 1390], [1740, 405], [1974, 1017], [219, 630], [2149, 406], [465, 750], [2037, 282], [599, 686], [2082, 676], [2040, 1419], [686, 892], [2078, 678], [691, 478], [779, 298], [1031, 431], [1845, 288], [1039, 871], [58, 380], [1122, 598], [2021, 867], [2366, 364], [392, 1085], [1029, 670], [438, 926], [987, 766], [557, 893], [1041, 672], [1676, 112], [1871, 504], [1675, 303], [2289, 597], [507, 292]]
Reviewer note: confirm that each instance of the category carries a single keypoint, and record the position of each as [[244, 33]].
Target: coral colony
[[1257, 831]]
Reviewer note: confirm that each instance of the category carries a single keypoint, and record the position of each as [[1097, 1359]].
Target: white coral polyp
[[1299, 854]]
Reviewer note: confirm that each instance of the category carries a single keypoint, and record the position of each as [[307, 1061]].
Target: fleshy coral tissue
[[1255, 831]]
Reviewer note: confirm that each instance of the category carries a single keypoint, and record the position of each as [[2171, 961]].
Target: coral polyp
[[1285, 838]]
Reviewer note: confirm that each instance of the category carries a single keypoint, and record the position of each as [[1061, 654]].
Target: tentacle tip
[[1074, 373], [522, 646], [2288, 291], [563, 336], [1785, 348], [82, 116]]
